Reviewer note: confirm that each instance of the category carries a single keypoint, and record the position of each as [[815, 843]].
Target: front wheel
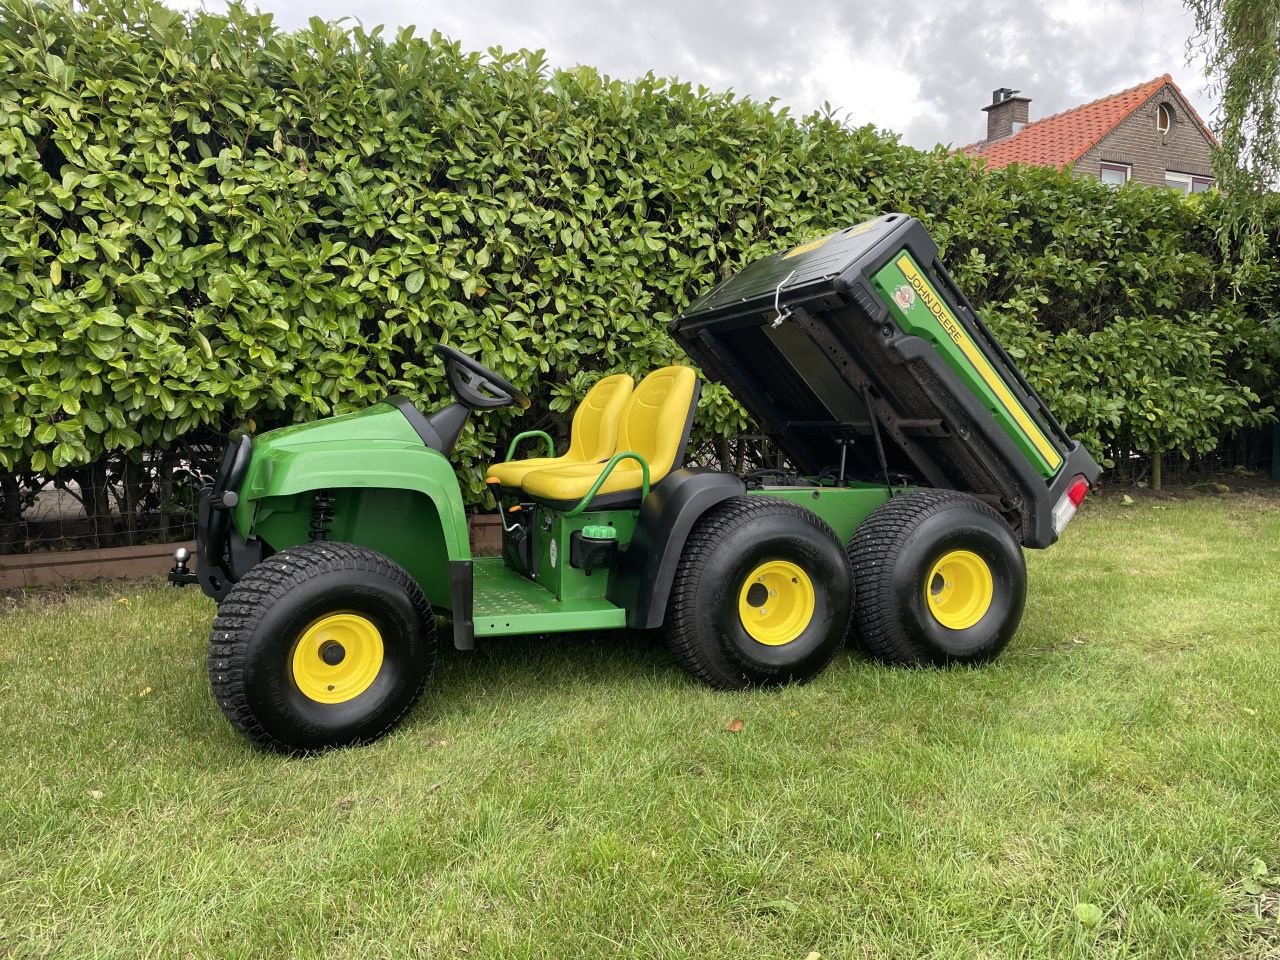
[[321, 645], [939, 578], [761, 595]]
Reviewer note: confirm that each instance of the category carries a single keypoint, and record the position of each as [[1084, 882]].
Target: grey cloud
[[949, 55], [978, 45]]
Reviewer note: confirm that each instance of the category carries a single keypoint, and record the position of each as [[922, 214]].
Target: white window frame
[[1107, 166], [1162, 111], [1186, 182]]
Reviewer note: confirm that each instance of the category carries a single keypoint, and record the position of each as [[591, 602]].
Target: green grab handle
[[604, 475], [551, 444]]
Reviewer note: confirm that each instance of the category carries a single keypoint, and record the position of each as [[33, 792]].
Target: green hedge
[[207, 222]]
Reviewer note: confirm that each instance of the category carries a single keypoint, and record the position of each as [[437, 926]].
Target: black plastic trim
[[646, 569], [215, 582], [222, 555], [621, 500], [688, 425], [1078, 462], [591, 554], [418, 420], [462, 592]]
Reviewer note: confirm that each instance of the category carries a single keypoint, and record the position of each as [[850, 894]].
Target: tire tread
[[686, 646], [872, 550], [267, 582]]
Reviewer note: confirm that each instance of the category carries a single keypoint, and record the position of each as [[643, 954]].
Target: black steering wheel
[[475, 385]]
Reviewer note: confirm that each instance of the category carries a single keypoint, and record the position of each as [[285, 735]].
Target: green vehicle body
[[370, 478], [393, 495], [390, 493], [930, 318]]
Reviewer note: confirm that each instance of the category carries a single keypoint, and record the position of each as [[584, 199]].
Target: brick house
[[1149, 134]]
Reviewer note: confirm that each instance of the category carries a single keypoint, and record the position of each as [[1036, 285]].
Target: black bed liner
[[803, 339]]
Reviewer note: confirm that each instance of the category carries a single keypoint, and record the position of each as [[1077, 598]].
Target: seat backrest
[[658, 418], [594, 433]]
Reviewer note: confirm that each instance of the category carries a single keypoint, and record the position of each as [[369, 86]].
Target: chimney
[[1007, 114]]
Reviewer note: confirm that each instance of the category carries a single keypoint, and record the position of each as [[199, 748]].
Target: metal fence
[[1243, 455], [114, 503], [125, 502], [744, 454]]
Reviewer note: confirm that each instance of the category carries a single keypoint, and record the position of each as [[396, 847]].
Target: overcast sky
[[922, 69]]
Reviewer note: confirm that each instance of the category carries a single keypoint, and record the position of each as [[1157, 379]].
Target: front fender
[[280, 472], [400, 499]]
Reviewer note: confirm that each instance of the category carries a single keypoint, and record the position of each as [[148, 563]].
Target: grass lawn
[[579, 797]]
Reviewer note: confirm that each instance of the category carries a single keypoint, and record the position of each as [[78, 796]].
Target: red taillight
[[1076, 492], [1065, 508]]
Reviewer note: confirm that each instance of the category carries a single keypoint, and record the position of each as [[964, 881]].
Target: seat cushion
[[569, 484], [513, 472], [592, 436], [655, 424], [658, 418]]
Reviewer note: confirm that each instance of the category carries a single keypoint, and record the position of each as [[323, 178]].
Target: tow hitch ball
[[179, 575]]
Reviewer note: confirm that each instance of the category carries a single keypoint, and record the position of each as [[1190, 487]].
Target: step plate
[[507, 604]]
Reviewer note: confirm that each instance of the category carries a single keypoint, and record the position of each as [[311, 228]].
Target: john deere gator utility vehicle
[[920, 462]]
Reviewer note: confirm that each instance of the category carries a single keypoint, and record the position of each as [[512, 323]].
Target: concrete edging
[[20, 570]]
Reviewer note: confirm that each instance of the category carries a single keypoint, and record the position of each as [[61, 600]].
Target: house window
[[1115, 174], [1164, 118], [1187, 182]]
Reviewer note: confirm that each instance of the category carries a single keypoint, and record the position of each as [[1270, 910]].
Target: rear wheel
[[938, 577], [761, 595], [319, 646]]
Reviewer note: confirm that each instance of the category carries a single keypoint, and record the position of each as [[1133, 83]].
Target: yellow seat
[[655, 424], [591, 437]]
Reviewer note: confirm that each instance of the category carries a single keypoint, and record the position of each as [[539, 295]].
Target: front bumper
[[222, 555]]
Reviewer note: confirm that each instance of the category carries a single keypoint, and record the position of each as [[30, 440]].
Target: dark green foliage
[[204, 221], [1120, 307]]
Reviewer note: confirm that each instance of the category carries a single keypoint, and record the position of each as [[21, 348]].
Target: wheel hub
[[776, 602], [337, 658], [959, 589]]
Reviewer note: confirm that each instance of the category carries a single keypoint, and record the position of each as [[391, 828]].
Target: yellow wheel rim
[[337, 658], [959, 589], [776, 602]]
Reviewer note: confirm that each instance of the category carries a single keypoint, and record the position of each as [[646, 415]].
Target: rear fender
[[647, 568]]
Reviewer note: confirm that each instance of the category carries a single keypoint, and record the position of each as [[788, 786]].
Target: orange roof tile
[[1067, 136]]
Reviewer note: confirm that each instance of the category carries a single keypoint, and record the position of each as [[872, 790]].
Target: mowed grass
[[578, 796]]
